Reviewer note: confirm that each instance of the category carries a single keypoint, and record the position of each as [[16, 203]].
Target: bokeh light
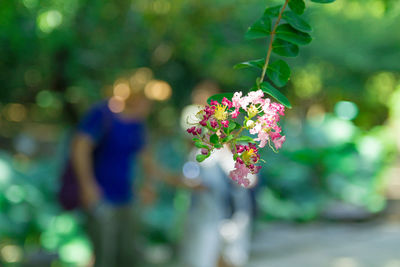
[[338, 130], [116, 104], [158, 90], [191, 170], [122, 90], [307, 82], [11, 253], [5, 172], [140, 78], [380, 86], [61, 57], [49, 20], [370, 148], [49, 240], [346, 110], [15, 112], [15, 194], [76, 251], [45, 98]]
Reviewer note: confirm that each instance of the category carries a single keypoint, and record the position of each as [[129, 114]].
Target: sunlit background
[[340, 161]]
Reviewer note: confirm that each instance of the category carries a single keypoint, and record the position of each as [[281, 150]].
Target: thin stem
[[237, 134], [271, 41]]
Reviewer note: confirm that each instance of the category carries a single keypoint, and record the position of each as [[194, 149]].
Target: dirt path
[[372, 244]]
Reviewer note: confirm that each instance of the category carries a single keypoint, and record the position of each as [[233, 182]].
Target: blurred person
[[105, 153], [218, 226]]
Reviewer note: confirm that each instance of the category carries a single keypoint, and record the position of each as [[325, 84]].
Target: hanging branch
[[284, 41], [218, 124], [273, 32]]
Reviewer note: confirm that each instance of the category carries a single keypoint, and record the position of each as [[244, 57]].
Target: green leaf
[[219, 97], [279, 72], [260, 29], [201, 145], [284, 48], [297, 6], [218, 146], [245, 138], [273, 11], [196, 139], [323, 1], [296, 22], [214, 139], [258, 63], [227, 138], [272, 91], [232, 126], [288, 33], [201, 157]]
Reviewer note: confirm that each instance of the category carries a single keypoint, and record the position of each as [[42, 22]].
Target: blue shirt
[[117, 143]]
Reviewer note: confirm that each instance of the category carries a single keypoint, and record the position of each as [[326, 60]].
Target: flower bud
[[252, 111], [250, 124]]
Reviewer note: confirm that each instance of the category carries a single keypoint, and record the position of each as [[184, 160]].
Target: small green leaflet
[[296, 22], [258, 63], [214, 139], [297, 6], [284, 48], [201, 157], [273, 11], [279, 72], [228, 138], [272, 91], [219, 97], [232, 126], [201, 145], [288, 33], [260, 29]]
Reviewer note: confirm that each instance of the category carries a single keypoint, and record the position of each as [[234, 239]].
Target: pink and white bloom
[[256, 97], [279, 141], [263, 137], [239, 174], [261, 119], [235, 113], [236, 99]]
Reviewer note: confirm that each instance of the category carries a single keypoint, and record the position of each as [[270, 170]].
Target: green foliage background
[[57, 57]]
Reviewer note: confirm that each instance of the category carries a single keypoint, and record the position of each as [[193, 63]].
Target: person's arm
[[82, 161], [154, 172]]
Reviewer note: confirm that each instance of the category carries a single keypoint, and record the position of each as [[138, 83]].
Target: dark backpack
[[68, 195]]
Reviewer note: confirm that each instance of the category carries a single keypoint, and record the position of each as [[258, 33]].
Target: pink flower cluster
[[239, 174], [267, 117], [261, 118], [193, 130], [246, 158]]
